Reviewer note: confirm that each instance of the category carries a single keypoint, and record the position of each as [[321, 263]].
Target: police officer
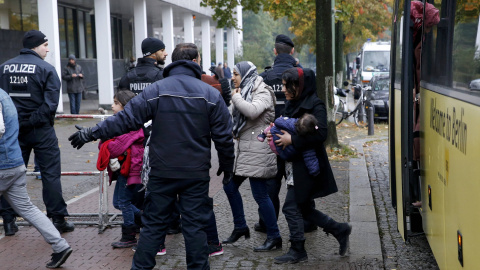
[[34, 87], [147, 71], [284, 49]]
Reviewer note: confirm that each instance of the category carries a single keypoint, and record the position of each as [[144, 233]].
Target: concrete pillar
[[167, 22], [219, 46], [48, 24], [206, 57], [188, 27], [104, 53], [239, 33], [140, 23], [230, 47]]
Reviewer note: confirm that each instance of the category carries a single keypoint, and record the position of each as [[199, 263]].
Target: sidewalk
[[353, 203]]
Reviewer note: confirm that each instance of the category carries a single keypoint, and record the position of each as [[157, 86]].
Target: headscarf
[[249, 74], [306, 87]]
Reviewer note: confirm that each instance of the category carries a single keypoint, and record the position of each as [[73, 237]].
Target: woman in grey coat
[[253, 110]]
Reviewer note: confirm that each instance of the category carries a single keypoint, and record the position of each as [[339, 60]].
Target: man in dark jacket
[[34, 86], [187, 115], [147, 71], [73, 74], [284, 49]]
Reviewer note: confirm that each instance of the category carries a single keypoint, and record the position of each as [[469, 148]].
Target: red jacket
[[134, 141]]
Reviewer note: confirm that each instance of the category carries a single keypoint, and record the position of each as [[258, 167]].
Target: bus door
[[401, 124]]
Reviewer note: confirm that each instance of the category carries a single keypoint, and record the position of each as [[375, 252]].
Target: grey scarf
[[249, 74]]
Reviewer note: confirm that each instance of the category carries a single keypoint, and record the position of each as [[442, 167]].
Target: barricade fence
[[105, 219]]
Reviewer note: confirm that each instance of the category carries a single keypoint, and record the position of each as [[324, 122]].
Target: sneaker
[[162, 251], [215, 250], [59, 258]]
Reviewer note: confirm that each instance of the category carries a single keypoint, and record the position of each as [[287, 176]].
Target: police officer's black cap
[[151, 45], [282, 39], [33, 38]]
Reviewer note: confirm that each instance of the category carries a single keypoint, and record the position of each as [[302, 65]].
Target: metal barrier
[[105, 219]]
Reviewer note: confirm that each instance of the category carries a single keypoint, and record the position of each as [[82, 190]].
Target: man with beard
[[147, 71], [73, 74]]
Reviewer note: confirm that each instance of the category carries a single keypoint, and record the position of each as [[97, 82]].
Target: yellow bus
[[434, 142]]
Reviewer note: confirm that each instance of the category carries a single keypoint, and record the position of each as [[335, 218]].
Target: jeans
[[296, 214], [195, 208], [13, 187], [211, 229], [75, 100], [122, 200], [260, 194]]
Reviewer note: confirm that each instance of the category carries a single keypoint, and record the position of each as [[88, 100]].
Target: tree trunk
[[325, 64], [339, 67]]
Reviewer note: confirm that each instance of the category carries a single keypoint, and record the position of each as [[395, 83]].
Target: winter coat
[[74, 85], [273, 76], [117, 147], [36, 90], [252, 157], [144, 74], [187, 115], [308, 187]]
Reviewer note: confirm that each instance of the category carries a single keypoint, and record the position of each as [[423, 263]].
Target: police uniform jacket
[[187, 114], [34, 86], [273, 77], [144, 74]]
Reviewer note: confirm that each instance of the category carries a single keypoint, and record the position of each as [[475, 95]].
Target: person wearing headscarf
[[302, 187], [253, 109]]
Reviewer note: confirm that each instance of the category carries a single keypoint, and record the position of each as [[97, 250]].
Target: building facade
[[105, 34]]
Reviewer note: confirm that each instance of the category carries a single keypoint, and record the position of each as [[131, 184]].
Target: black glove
[[25, 126], [81, 137], [227, 176]]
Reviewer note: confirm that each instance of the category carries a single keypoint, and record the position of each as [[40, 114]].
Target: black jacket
[[273, 76], [34, 86], [144, 74], [187, 114], [307, 186]]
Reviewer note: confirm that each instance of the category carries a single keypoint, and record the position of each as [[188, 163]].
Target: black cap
[[33, 38], [151, 45], [282, 39]]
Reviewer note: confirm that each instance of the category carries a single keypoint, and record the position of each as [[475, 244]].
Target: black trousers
[[195, 207], [44, 143]]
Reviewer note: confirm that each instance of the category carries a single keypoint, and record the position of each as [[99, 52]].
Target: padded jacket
[[187, 114], [252, 157]]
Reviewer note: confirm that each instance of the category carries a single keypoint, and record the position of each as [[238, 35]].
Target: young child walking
[[123, 156]]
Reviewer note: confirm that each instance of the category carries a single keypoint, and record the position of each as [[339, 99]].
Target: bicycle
[[360, 111]]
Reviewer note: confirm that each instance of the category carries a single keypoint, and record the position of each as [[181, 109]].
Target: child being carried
[[307, 124]]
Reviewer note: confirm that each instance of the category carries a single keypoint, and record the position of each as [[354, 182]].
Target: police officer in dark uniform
[[284, 49], [34, 87], [147, 71]]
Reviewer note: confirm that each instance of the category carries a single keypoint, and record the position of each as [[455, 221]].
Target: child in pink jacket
[[128, 149]]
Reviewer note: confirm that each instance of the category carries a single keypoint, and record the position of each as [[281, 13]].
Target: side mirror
[[345, 83]]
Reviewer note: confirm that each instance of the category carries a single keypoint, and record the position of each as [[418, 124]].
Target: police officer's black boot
[[9, 226], [62, 225], [341, 231], [295, 254], [128, 238]]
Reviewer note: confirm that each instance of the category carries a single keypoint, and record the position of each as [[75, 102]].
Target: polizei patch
[[19, 68]]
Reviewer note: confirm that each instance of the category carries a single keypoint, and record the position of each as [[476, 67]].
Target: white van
[[374, 60]]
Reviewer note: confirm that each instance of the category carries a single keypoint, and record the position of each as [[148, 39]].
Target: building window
[[77, 32], [20, 15]]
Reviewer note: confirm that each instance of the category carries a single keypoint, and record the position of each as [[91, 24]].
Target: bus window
[[398, 43], [466, 42]]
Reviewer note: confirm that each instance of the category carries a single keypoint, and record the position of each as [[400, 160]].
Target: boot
[[295, 254], [270, 244], [62, 225], [341, 231], [128, 238], [236, 234], [10, 227]]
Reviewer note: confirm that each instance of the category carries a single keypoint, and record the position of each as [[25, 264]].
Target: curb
[[365, 238]]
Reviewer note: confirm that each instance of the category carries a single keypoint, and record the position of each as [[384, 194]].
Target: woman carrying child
[[300, 91]]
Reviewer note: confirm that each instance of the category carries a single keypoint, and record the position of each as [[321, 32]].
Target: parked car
[[475, 85], [377, 94]]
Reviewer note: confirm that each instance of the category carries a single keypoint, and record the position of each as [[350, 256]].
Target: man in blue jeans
[[187, 115], [13, 184]]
